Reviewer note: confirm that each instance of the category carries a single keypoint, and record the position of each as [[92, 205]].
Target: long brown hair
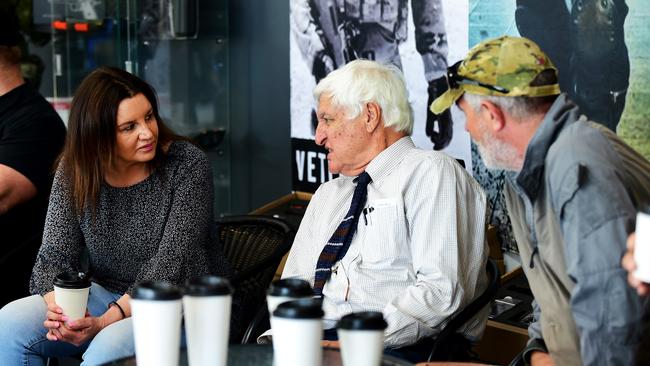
[[91, 139]]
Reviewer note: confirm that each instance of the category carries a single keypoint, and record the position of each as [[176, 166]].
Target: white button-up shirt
[[419, 252]]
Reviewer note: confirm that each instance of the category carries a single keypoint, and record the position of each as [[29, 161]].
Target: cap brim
[[445, 101]]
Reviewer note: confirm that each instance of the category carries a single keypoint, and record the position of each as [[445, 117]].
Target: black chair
[[254, 246], [449, 344], [258, 325]]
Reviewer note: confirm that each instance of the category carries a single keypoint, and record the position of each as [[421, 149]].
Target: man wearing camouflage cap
[[572, 193]]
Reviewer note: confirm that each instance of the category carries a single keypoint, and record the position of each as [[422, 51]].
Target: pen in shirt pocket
[[366, 212]]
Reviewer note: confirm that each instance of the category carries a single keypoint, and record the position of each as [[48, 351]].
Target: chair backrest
[[443, 342], [254, 246]]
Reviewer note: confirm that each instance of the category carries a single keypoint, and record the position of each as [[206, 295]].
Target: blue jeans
[[23, 341]]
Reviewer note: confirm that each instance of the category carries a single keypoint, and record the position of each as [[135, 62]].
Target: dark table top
[[253, 354]]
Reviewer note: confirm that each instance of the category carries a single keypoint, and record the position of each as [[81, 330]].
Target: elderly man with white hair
[[401, 230]]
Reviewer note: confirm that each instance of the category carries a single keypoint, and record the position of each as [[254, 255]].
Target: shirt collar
[[386, 161], [562, 113]]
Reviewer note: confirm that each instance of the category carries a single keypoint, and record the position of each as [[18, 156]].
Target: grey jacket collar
[[529, 179]]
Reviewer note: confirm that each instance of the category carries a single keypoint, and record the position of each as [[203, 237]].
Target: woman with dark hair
[[133, 196]]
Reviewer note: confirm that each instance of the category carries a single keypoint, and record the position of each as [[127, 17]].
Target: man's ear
[[493, 115], [373, 116]]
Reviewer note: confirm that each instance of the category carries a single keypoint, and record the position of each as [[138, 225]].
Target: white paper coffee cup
[[156, 308], [206, 305], [71, 291], [297, 333], [642, 246], [361, 338], [287, 289]]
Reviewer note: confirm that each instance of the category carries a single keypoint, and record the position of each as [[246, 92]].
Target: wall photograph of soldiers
[[421, 37]]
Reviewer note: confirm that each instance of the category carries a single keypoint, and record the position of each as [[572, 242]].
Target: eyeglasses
[[453, 79]]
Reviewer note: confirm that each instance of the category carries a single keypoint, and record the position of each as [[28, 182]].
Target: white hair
[[363, 81], [519, 108], [514, 106]]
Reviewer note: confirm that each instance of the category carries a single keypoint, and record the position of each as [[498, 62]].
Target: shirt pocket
[[586, 202], [382, 233]]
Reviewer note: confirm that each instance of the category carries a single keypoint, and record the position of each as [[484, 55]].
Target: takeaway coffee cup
[[286, 290], [156, 311], [206, 305], [71, 294], [297, 333], [361, 336], [642, 245]]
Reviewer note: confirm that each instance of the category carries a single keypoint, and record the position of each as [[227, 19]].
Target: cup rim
[[72, 280], [290, 287], [300, 309], [157, 291], [208, 285], [362, 320]]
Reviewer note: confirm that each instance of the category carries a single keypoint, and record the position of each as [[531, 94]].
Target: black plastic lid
[[150, 290], [291, 287], [364, 320], [300, 309], [208, 286], [72, 280]]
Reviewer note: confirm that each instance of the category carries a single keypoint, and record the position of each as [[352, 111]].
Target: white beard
[[498, 154]]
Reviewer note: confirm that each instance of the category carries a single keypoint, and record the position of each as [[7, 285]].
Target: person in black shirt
[[31, 137]]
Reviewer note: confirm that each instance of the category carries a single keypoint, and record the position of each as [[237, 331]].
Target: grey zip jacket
[[572, 207]]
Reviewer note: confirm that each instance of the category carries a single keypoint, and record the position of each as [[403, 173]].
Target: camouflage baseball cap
[[504, 66]]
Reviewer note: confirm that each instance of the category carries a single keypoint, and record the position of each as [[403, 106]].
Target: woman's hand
[[81, 330], [77, 332], [630, 265], [60, 328], [54, 318]]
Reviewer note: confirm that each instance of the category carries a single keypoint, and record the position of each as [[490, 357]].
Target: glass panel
[[179, 46]]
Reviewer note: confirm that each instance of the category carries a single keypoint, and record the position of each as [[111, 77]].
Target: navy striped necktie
[[339, 243]]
